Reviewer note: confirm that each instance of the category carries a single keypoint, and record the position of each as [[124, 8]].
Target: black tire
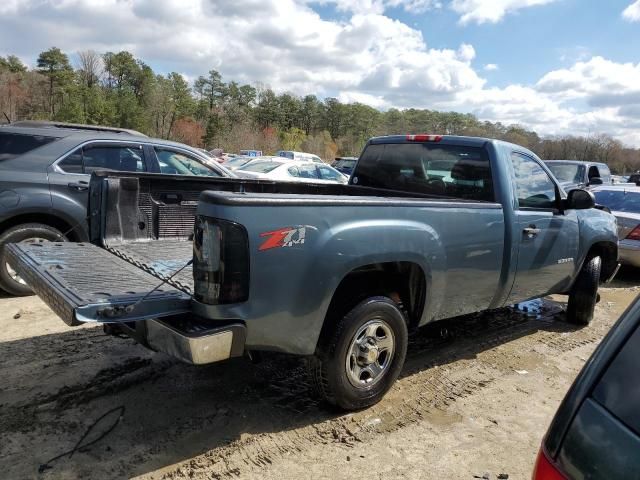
[[584, 293], [330, 375], [17, 234]]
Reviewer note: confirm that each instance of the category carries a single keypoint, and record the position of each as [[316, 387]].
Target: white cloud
[[632, 12], [599, 81], [365, 57], [490, 11], [489, 67], [380, 6]]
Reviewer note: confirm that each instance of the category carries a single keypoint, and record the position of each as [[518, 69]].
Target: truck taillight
[[545, 469], [220, 261], [423, 137], [634, 234]]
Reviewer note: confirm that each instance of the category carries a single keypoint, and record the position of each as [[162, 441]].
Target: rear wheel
[[361, 358], [584, 293], [10, 281]]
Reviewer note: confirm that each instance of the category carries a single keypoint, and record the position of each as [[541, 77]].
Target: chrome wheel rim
[[370, 353], [10, 270]]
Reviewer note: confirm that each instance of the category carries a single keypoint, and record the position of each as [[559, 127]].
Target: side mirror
[[579, 199], [595, 181]]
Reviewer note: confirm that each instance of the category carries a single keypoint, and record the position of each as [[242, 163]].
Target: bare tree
[[90, 68]]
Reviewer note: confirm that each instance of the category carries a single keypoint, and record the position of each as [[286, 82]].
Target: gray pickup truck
[[428, 228]]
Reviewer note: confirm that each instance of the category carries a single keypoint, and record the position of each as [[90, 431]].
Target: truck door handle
[[531, 231], [79, 186]]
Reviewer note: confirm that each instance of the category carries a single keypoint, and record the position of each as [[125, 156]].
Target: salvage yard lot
[[474, 397]]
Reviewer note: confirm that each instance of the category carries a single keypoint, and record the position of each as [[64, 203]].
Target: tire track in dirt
[[445, 363]]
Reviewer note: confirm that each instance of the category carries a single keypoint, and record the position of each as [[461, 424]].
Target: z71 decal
[[284, 237]]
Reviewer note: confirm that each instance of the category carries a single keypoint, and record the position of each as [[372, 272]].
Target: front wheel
[[361, 358], [584, 293], [10, 281]]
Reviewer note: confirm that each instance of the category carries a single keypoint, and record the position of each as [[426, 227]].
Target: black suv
[[596, 431], [45, 169]]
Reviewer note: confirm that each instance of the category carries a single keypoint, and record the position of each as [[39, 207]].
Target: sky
[[555, 66]]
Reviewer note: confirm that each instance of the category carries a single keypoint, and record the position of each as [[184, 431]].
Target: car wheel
[[10, 281], [362, 356], [584, 293]]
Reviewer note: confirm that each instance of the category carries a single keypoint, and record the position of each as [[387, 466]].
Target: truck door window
[[534, 187], [427, 168]]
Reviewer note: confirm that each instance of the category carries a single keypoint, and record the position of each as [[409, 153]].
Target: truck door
[[547, 240]]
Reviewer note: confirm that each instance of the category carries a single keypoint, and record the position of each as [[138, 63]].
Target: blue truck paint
[[344, 239]]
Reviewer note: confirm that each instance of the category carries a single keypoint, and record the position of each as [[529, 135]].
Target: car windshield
[[238, 162], [260, 167], [619, 200], [565, 172], [14, 144], [346, 163]]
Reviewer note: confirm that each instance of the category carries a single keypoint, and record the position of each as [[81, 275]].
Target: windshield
[[346, 163], [260, 167], [567, 172], [619, 200], [238, 162], [285, 154]]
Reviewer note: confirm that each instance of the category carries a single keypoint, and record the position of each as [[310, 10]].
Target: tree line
[[118, 89]]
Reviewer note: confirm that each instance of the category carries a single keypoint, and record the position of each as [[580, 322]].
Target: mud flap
[[81, 283]]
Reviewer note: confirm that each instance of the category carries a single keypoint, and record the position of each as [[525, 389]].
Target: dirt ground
[[475, 398]]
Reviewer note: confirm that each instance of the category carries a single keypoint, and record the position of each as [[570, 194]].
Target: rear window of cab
[[13, 145], [427, 168]]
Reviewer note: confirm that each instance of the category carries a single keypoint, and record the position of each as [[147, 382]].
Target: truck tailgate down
[[82, 282]]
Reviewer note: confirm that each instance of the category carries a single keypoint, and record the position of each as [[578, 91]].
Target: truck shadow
[[55, 386]]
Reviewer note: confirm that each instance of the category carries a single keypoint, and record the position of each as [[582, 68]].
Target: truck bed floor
[[68, 276], [160, 258]]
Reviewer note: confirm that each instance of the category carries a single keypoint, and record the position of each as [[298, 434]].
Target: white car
[[302, 156], [291, 171]]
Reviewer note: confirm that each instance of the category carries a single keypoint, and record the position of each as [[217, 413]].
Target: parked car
[[251, 153], [291, 171], [595, 433], [345, 164], [634, 178], [237, 162], [577, 174], [395, 249], [624, 203], [300, 156], [44, 178], [620, 179]]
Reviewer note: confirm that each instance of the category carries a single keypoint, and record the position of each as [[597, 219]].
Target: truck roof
[[455, 139]]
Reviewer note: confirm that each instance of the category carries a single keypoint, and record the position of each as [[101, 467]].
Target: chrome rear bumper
[[194, 342]]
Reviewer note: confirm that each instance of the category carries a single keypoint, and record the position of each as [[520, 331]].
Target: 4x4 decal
[[284, 237]]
